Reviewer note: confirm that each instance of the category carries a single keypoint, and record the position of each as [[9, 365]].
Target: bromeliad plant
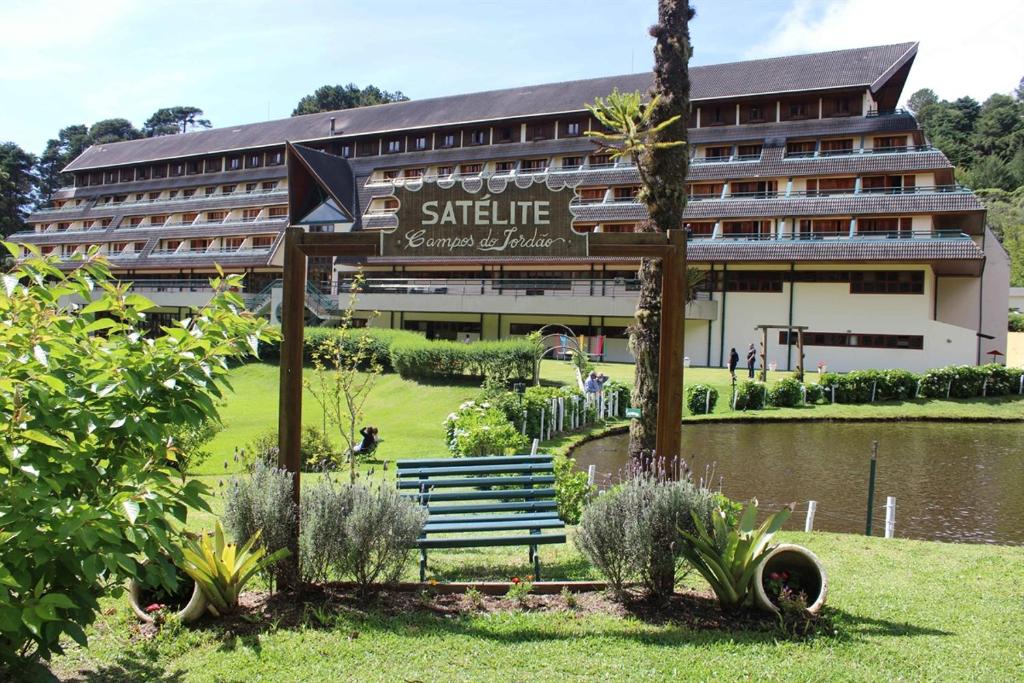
[[727, 555], [222, 570]]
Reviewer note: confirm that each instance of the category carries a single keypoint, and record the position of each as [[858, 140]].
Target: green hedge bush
[[749, 395], [1016, 322], [419, 359], [381, 341], [701, 399], [815, 394], [786, 393]]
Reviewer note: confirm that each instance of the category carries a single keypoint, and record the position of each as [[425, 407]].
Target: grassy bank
[[903, 610]]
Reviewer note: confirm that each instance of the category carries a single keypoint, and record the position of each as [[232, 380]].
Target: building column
[[853, 227]]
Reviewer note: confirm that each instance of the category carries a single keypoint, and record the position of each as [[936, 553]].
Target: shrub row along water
[[865, 386], [414, 357]]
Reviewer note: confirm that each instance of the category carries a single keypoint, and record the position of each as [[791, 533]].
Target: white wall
[[995, 295]]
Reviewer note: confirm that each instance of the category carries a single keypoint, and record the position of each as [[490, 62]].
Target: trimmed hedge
[[414, 357], [954, 381], [381, 341], [417, 358], [701, 399]]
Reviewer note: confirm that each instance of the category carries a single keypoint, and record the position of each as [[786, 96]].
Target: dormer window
[[394, 146], [346, 151], [448, 140], [421, 143], [478, 137], [756, 114], [234, 163], [573, 129]]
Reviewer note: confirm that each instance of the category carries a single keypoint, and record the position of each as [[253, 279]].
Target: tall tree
[[655, 137], [665, 197], [17, 186], [60, 151], [334, 97], [172, 120], [112, 130], [920, 100]]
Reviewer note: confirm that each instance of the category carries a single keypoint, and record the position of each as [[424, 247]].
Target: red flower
[[515, 579], [774, 576], [529, 577], [155, 607]]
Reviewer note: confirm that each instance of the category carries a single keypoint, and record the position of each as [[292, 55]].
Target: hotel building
[[814, 202]]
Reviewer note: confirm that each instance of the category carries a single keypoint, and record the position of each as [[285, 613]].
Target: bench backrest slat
[[496, 494], [419, 463], [456, 470], [477, 482], [522, 506]]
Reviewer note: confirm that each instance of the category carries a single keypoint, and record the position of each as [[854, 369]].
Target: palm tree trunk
[[663, 172]]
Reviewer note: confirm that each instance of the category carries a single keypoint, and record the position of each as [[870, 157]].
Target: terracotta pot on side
[[796, 559], [195, 608]]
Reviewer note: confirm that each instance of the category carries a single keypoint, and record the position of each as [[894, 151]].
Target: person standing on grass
[[734, 360], [751, 361], [592, 385]]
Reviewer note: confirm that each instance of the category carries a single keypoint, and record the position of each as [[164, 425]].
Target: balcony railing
[[902, 149], [882, 236], [497, 287], [820, 194]]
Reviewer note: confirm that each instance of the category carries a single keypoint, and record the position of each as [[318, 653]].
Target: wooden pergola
[[764, 346]]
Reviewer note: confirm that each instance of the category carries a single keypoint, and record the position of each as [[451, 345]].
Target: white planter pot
[[195, 608], [795, 559]]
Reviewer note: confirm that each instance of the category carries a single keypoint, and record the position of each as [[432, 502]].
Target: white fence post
[[524, 423], [561, 414], [591, 474], [536, 445], [803, 392], [890, 516], [707, 402], [812, 507], [541, 434], [874, 388]]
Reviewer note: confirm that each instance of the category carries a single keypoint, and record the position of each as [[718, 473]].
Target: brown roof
[[867, 67]]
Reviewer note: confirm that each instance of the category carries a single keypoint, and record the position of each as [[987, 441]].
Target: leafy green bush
[[261, 501], [572, 492], [378, 535], [87, 406], [1016, 322], [815, 393], [322, 532], [604, 536], [634, 531], [481, 429], [188, 443], [787, 393], [749, 395], [701, 399], [897, 385], [419, 359], [954, 381], [316, 450]]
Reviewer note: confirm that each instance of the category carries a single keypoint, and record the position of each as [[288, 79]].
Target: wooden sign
[[493, 218]]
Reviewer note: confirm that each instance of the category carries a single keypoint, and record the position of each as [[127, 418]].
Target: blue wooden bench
[[468, 500]]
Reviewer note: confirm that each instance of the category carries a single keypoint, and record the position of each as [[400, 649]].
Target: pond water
[[952, 481]]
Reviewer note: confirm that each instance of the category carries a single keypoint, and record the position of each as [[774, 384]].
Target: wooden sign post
[[484, 219]]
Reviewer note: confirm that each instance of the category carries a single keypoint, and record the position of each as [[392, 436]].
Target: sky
[[70, 62]]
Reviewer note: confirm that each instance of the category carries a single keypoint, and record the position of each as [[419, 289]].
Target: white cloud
[[973, 48]]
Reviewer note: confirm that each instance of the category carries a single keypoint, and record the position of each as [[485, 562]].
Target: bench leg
[[423, 565], [536, 563]]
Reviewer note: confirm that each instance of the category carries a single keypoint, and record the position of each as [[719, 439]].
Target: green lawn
[[410, 415], [902, 610]]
